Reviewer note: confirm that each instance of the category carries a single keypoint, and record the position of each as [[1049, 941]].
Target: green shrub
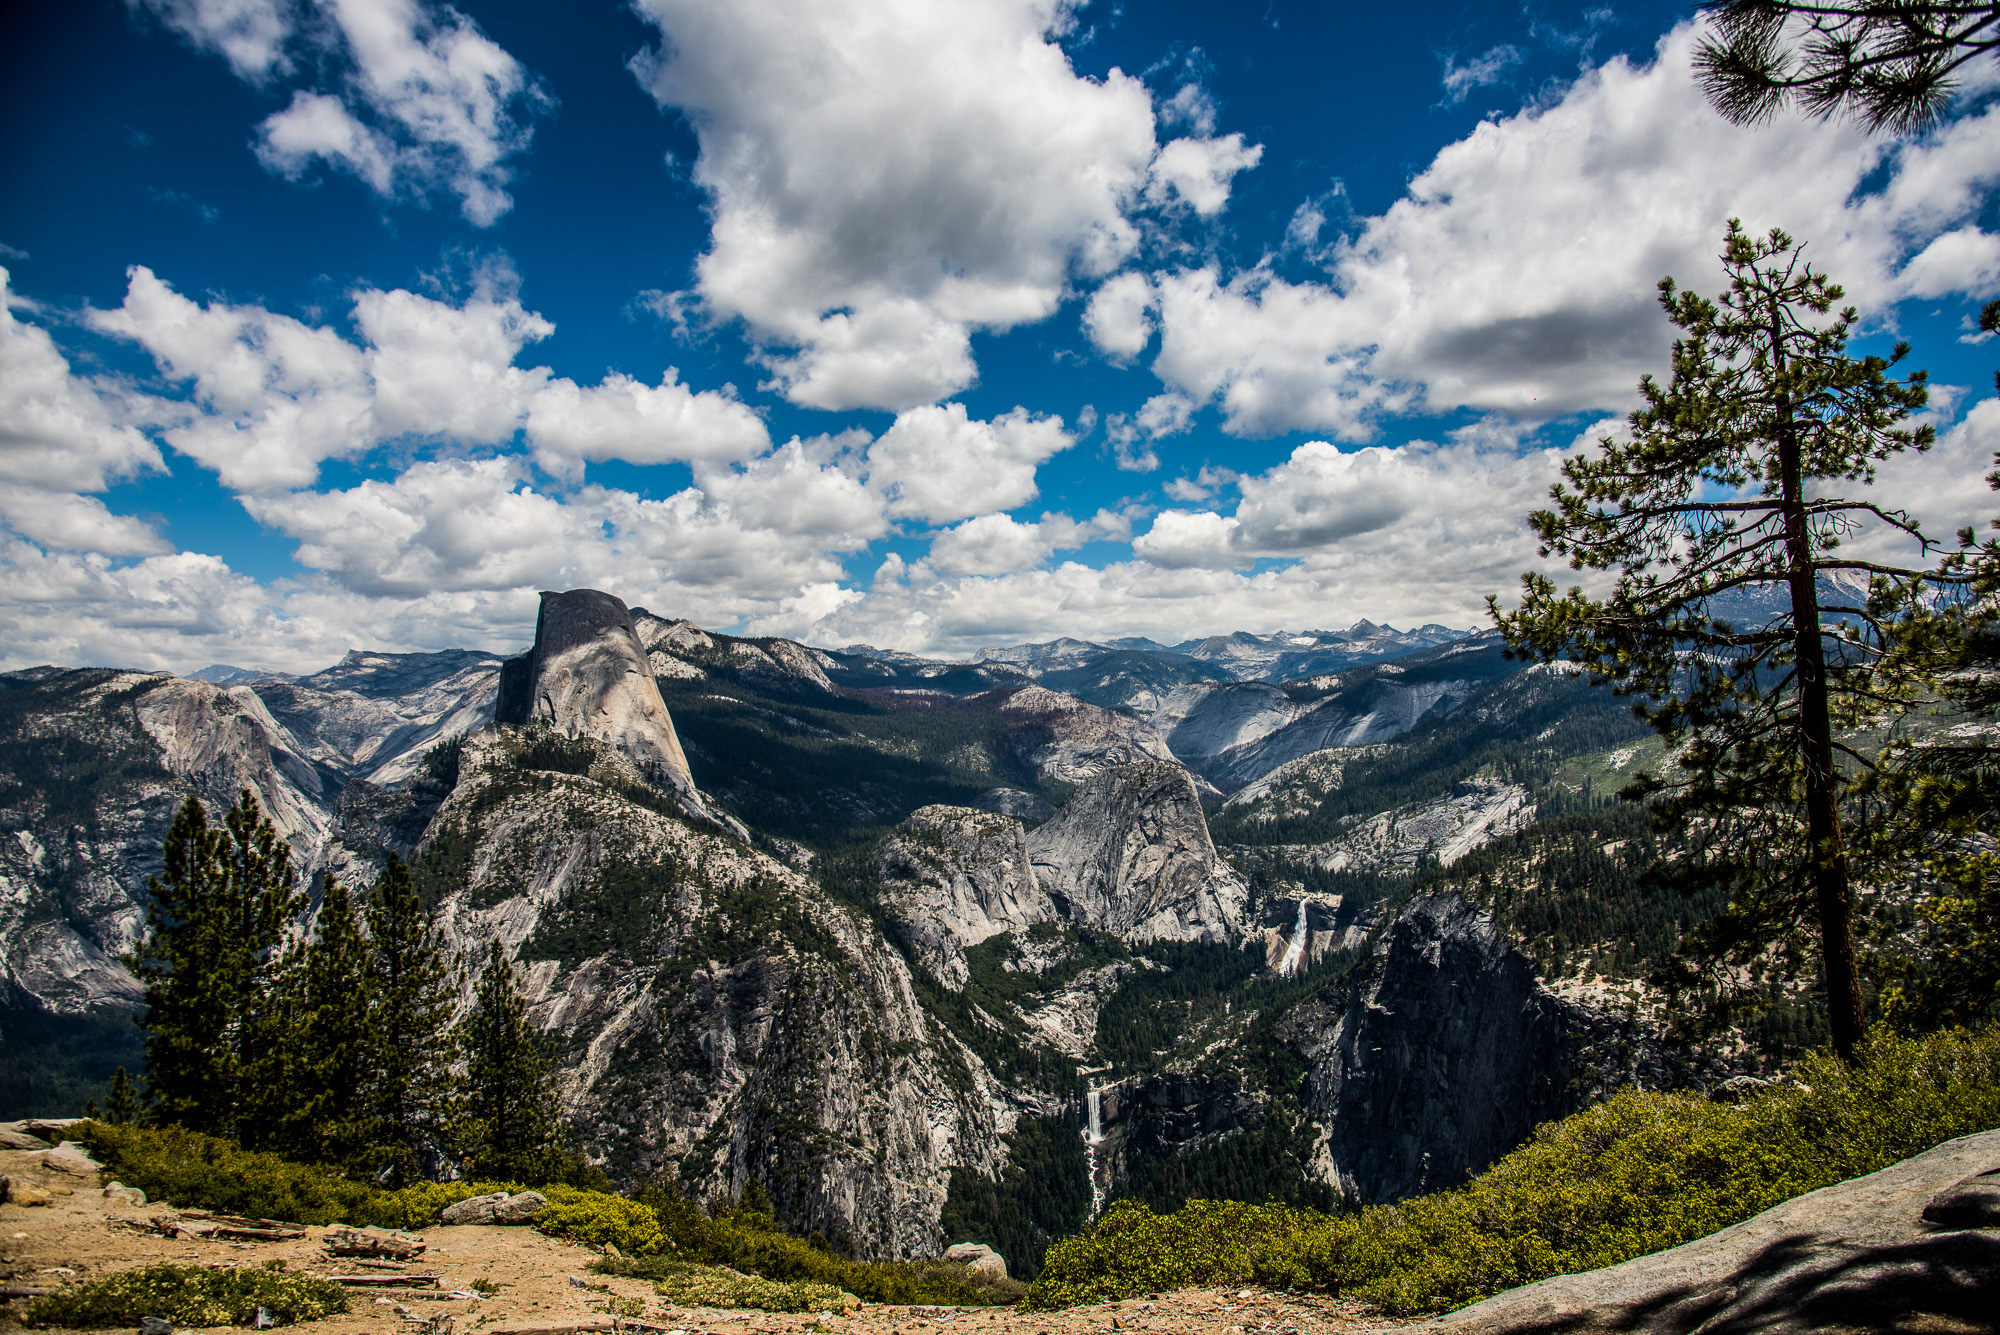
[[688, 1285], [750, 1245], [1131, 1250], [597, 1218], [1637, 1173], [199, 1172], [189, 1295]]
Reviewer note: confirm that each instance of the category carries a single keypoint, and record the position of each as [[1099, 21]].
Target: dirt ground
[[82, 1236]]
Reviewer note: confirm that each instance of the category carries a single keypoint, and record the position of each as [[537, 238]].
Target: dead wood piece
[[426, 1295], [580, 1328], [386, 1281], [257, 1234], [23, 1291], [341, 1240], [381, 1265]]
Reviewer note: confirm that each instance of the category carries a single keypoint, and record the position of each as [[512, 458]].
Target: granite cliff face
[[588, 676], [1064, 739], [1129, 854], [1446, 1052], [716, 1011], [952, 877]]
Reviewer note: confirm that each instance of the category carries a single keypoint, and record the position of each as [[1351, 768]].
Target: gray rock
[[153, 1325], [1853, 1256], [473, 1209], [951, 877], [1973, 1203], [1738, 1088], [588, 676], [71, 1158], [978, 1258], [120, 1194], [1060, 737], [11, 1139], [519, 1208], [1448, 1053], [1026, 807], [1129, 853]]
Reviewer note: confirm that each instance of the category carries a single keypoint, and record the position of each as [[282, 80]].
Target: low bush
[[1632, 1175], [597, 1218], [689, 1285], [189, 1295], [199, 1172], [746, 1240], [419, 1204]]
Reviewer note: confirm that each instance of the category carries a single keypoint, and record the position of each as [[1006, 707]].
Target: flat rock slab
[[1857, 1255], [497, 1208], [72, 1158]]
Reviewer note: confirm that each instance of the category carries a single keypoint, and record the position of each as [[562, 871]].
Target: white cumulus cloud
[[1517, 273], [938, 465], [415, 99], [887, 176]]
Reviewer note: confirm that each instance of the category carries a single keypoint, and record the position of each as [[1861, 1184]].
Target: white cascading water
[[1093, 1142], [1290, 962]]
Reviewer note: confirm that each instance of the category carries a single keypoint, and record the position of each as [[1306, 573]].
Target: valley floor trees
[[1730, 487]]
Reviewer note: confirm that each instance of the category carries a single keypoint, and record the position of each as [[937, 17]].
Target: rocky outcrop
[[1447, 1053], [717, 1014], [588, 676], [1129, 853], [951, 877], [1060, 737], [497, 1207], [1858, 1255], [1402, 839], [1026, 807]]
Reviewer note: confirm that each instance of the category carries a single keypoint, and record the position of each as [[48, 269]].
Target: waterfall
[[1093, 1144], [1293, 958]]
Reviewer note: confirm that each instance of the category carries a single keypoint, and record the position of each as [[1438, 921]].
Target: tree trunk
[[1827, 854]]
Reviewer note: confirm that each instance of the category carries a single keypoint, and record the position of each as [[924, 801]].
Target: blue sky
[[353, 323]]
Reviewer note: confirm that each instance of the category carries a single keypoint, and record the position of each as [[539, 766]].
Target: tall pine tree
[[217, 972], [513, 1128], [412, 1093], [335, 1058], [1734, 486]]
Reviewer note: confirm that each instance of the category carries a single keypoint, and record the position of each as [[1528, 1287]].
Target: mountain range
[[935, 951]]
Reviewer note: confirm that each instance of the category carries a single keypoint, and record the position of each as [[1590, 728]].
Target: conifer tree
[[411, 1090], [217, 969], [1730, 484], [513, 1128], [335, 1058], [121, 1107]]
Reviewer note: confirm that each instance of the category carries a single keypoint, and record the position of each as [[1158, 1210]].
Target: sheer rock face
[[1129, 853], [954, 876], [718, 1012], [1448, 1054], [588, 676]]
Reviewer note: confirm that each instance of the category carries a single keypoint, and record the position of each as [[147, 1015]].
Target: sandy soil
[[83, 1236]]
